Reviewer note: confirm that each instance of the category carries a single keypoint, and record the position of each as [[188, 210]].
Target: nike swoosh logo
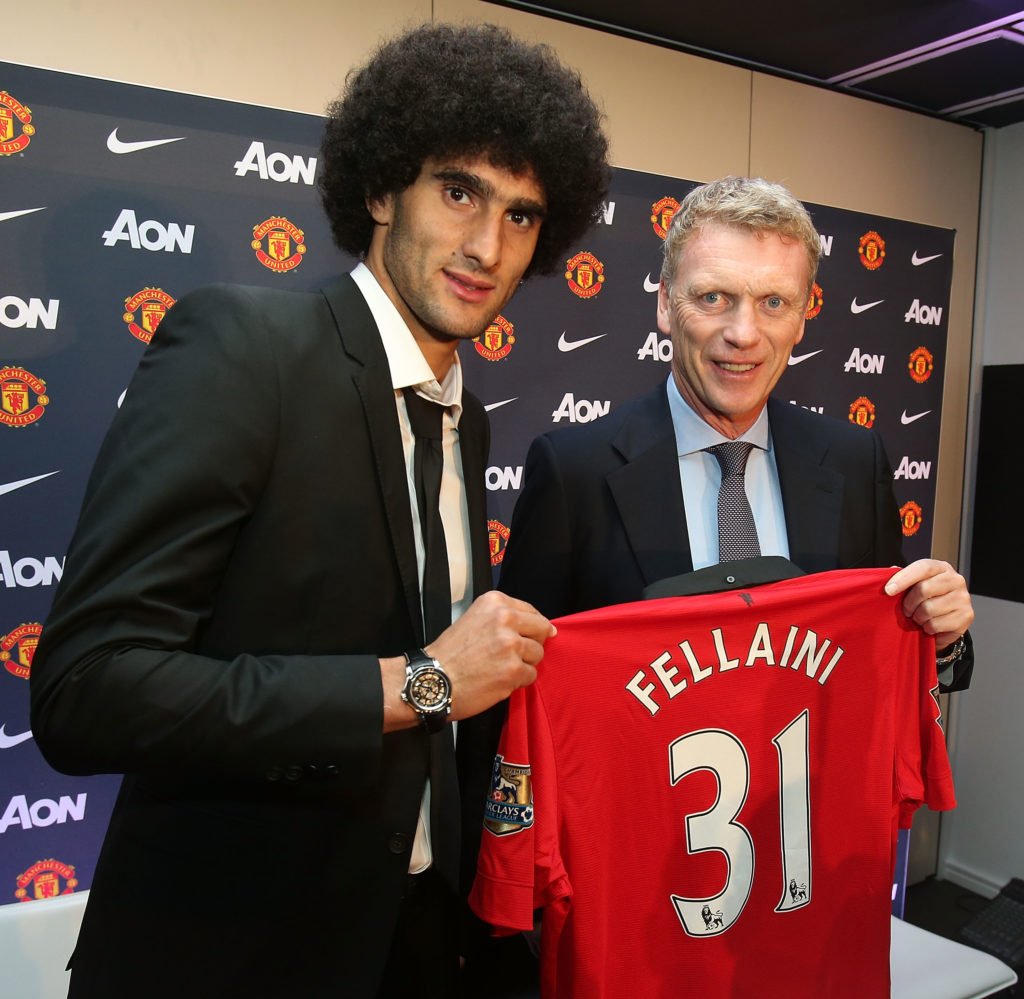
[[917, 261], [10, 741], [904, 419], [793, 359], [857, 309], [116, 145], [567, 345], [9, 487], [4, 216], [504, 402], [650, 285]]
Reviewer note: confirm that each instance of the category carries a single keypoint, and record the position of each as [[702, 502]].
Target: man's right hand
[[490, 651]]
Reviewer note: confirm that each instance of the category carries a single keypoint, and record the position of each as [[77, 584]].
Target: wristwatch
[[427, 690], [956, 650]]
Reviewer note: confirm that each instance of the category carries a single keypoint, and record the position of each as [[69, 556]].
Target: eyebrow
[[474, 182]]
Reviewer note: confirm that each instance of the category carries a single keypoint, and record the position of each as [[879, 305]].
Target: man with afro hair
[[248, 625]]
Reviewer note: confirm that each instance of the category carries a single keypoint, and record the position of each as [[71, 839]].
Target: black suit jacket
[[601, 513], [244, 554]]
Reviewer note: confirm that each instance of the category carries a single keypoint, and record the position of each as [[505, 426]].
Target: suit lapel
[[372, 378], [812, 494], [647, 492]]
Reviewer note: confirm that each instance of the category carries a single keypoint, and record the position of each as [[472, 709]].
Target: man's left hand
[[935, 597]]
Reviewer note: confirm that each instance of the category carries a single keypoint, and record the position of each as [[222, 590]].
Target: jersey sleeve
[[520, 866], [923, 775]]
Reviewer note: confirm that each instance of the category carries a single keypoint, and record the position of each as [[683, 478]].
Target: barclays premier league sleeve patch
[[509, 806]]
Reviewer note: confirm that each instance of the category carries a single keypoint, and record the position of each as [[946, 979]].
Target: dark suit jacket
[[601, 513], [245, 552]]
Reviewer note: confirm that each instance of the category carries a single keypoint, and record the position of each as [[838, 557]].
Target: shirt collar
[[405, 359], [693, 434]]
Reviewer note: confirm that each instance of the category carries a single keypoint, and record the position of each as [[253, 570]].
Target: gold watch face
[[429, 689]]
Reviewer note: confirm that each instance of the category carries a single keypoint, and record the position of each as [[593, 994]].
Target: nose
[[742, 330], [484, 239]]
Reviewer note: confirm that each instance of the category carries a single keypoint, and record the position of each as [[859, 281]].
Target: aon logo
[[923, 315], [149, 235], [866, 364], [579, 412], [15, 313], [277, 166], [655, 348]]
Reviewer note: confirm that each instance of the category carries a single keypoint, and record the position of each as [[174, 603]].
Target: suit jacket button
[[332, 771], [275, 773], [397, 842], [293, 773]]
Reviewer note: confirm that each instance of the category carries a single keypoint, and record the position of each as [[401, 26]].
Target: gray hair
[[754, 204]]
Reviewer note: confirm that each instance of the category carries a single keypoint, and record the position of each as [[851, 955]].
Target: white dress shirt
[[410, 368]]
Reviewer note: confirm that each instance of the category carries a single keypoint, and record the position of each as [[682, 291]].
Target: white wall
[[981, 846], [1000, 289], [282, 55]]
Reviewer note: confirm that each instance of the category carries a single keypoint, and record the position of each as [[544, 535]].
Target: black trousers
[[423, 962]]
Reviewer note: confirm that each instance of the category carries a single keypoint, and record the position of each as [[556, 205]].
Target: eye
[[522, 219], [711, 297], [774, 302], [458, 194]]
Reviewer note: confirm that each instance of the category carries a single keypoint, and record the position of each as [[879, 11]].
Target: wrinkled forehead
[[737, 251]]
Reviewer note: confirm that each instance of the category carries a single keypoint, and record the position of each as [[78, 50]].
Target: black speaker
[[997, 546]]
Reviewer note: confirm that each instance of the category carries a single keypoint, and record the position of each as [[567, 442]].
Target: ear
[[664, 309], [381, 209], [800, 332]]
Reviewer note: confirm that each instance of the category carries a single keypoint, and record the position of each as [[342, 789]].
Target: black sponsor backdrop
[[567, 353]]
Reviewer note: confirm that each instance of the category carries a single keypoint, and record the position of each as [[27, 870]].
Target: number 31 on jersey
[[726, 758]]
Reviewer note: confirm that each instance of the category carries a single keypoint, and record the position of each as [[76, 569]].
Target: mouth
[[469, 288], [735, 368]]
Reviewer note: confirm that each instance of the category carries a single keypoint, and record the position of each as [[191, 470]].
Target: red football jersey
[[703, 793]]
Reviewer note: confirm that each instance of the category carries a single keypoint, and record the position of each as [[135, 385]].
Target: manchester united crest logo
[[497, 538], [23, 398], [16, 128], [496, 341], [662, 213], [862, 412], [279, 245], [584, 274], [509, 806], [871, 250], [921, 364], [145, 310], [45, 879], [814, 302], [911, 516], [18, 647]]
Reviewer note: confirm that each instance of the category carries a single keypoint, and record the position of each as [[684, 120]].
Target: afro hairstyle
[[443, 91]]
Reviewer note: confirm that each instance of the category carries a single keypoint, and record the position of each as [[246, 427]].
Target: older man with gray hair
[[614, 506]]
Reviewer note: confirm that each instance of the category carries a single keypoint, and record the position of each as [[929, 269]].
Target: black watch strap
[[428, 690]]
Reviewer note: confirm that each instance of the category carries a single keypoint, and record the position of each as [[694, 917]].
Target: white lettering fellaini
[[703, 793]]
